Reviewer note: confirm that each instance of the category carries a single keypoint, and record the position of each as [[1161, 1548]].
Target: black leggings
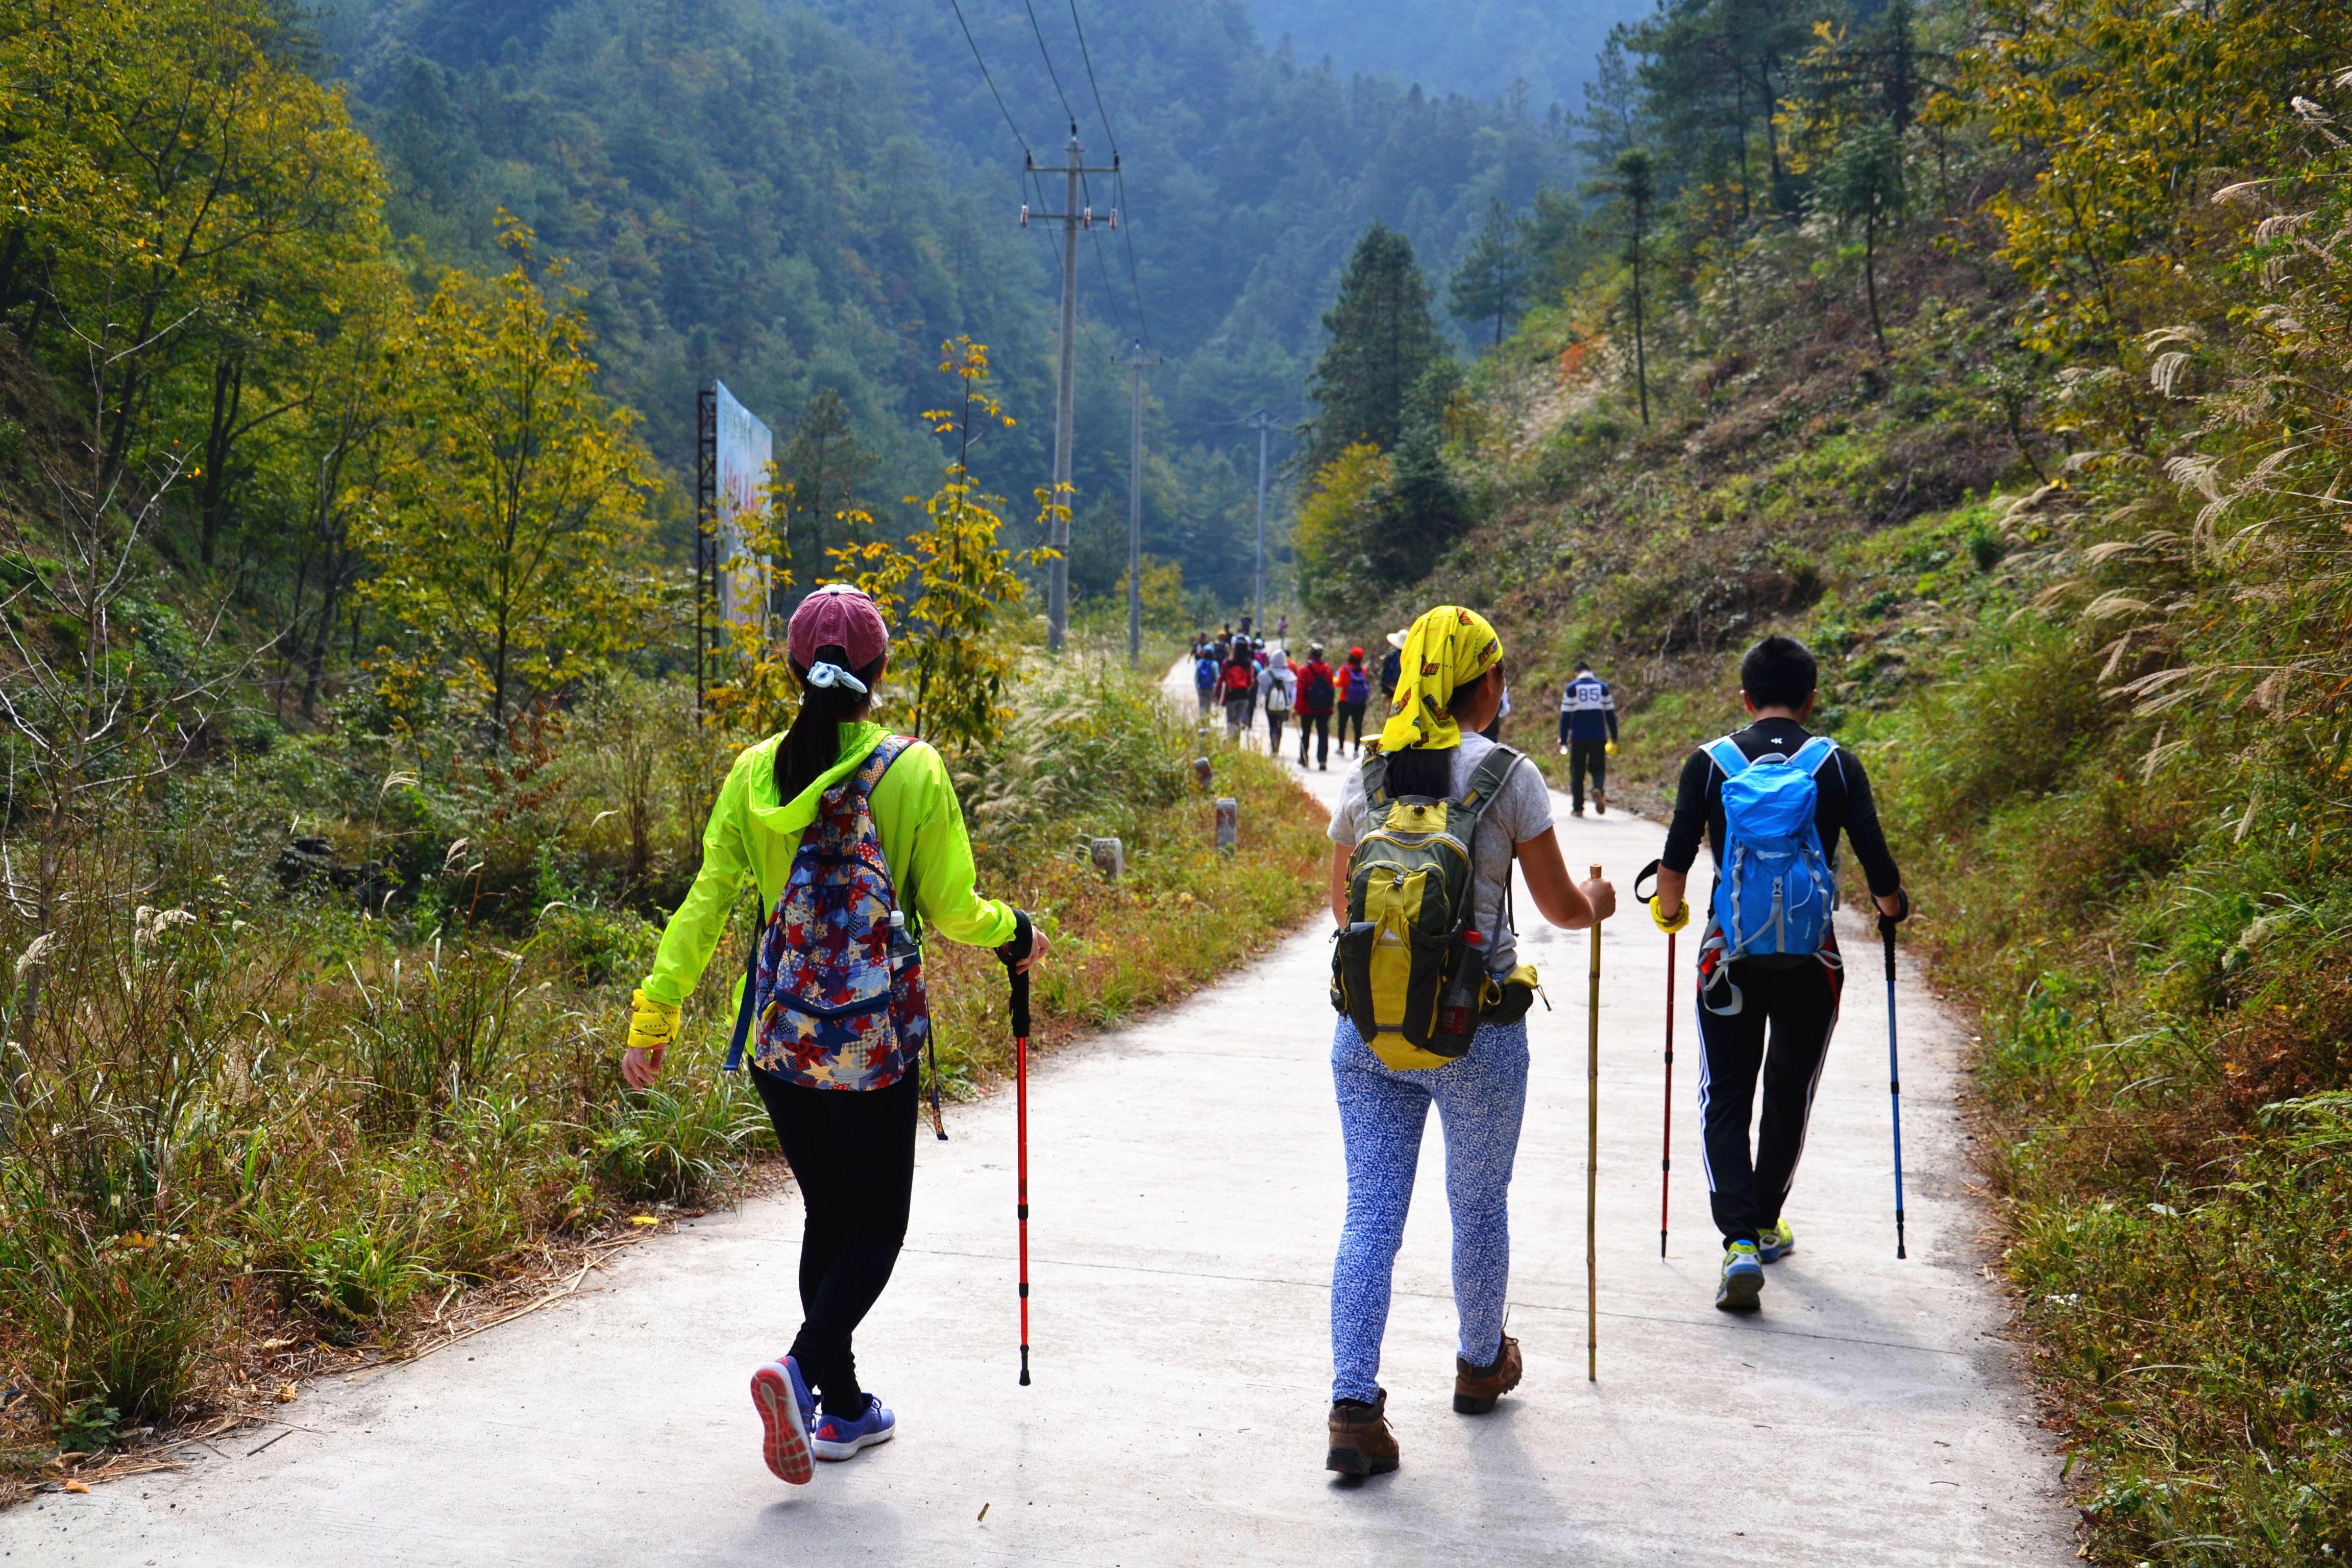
[[1320, 723], [1800, 1004], [853, 1156], [1351, 716]]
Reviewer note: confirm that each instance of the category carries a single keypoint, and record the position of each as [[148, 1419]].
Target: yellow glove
[[1610, 749], [1680, 918], [652, 1025]]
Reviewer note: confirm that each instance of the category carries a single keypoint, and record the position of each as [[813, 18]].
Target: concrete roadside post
[[1110, 856], [1229, 824]]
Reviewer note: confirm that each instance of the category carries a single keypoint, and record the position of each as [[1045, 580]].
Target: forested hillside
[[792, 200], [1484, 49], [1998, 349]]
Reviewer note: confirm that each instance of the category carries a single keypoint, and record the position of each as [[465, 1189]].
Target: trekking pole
[[1665, 1160], [1893, 1072], [1013, 952], [1592, 1168]]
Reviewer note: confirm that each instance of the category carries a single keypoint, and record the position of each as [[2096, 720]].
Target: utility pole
[[1137, 362], [1264, 422], [1072, 218]]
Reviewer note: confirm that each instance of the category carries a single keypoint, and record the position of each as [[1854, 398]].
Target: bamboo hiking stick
[[1593, 1167], [1666, 1159]]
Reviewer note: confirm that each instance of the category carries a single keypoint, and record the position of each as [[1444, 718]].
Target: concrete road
[[1187, 1188]]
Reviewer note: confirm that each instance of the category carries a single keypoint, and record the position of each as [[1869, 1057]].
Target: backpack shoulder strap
[[1376, 781], [1814, 754], [1727, 756], [1486, 782]]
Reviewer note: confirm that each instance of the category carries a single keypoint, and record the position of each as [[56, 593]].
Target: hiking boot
[[781, 1397], [1775, 1242], [839, 1438], [1361, 1443], [1743, 1279], [1599, 803], [1576, 811], [1477, 1388]]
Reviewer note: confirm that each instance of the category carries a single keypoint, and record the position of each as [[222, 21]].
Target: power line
[[1054, 75], [991, 80], [1126, 234], [1108, 135]]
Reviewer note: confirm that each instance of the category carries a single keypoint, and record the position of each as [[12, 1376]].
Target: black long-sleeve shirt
[[1842, 803]]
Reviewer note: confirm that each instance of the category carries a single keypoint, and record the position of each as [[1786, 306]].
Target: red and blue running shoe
[[786, 1411], [840, 1438]]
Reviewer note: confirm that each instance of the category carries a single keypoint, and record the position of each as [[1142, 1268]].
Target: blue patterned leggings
[[1480, 1100]]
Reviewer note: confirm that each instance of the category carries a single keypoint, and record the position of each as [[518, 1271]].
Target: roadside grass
[[279, 1103]]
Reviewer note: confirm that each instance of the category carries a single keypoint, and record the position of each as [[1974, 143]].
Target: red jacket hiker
[[1316, 691]]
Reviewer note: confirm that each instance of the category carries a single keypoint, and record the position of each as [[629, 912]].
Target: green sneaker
[[1776, 1241], [1743, 1279]]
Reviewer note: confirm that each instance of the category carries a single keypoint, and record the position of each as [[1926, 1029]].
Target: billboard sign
[[745, 448]]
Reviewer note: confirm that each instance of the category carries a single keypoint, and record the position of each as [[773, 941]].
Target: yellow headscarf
[[1447, 649]]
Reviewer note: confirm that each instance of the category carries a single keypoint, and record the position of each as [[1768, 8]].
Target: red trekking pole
[[1013, 952]]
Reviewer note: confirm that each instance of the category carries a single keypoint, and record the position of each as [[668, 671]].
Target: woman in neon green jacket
[[844, 1112]]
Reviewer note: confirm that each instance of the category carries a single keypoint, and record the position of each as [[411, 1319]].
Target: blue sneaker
[[839, 1438], [1743, 1279], [1775, 1242], [781, 1396]]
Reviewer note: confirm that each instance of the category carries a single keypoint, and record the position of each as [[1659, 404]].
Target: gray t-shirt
[[1520, 810]]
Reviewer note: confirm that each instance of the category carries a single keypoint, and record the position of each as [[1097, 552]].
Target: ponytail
[[813, 742]]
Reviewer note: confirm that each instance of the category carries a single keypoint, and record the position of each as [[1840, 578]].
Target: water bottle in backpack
[[1775, 893]]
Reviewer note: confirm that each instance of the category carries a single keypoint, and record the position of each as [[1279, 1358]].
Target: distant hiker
[[1392, 666], [1282, 629], [805, 815], [1462, 1045], [1204, 675], [1239, 687], [1587, 736], [1355, 689], [1245, 626], [1277, 688], [1318, 694], [1770, 955]]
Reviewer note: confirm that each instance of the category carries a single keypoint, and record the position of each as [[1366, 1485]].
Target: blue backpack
[[1205, 673], [1775, 891]]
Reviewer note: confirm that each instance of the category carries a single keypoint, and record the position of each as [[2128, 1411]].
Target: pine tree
[[1492, 281], [1382, 338]]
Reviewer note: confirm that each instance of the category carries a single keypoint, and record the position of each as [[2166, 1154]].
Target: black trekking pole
[[1593, 1166], [1013, 952], [1893, 1072]]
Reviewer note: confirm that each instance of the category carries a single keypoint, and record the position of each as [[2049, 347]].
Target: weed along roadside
[[272, 1131]]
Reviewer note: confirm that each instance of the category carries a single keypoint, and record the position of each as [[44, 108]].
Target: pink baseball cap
[[838, 616]]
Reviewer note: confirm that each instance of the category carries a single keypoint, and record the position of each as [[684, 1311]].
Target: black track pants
[[1583, 755], [853, 1157], [1319, 724], [1800, 1004], [1351, 716]]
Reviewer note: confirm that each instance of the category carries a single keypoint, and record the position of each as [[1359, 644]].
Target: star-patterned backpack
[[838, 983]]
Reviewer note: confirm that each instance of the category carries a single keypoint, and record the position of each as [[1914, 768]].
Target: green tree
[[1864, 185], [819, 477], [513, 561], [954, 652], [1491, 284], [1382, 338], [1636, 186]]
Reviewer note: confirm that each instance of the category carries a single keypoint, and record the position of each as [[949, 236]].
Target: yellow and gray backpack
[[1409, 970]]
